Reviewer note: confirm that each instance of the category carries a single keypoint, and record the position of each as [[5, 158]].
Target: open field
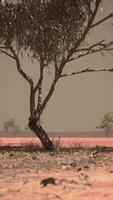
[[64, 142], [81, 173], [25, 185], [66, 174]]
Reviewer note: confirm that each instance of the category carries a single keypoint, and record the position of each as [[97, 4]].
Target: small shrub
[[30, 147]]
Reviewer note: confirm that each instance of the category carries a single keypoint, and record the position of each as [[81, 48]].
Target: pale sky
[[78, 103]]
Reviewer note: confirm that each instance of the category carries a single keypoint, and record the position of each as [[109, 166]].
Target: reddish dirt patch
[[78, 173], [64, 142], [25, 185]]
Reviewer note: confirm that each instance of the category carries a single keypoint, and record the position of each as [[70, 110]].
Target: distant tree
[[106, 123], [26, 128], [10, 125], [53, 32]]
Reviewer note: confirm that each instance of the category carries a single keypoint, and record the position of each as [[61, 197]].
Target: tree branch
[[7, 53], [24, 75], [88, 27], [40, 86], [48, 96], [95, 48], [44, 103], [92, 46], [102, 20], [37, 85], [52, 88], [41, 76], [86, 70], [90, 50]]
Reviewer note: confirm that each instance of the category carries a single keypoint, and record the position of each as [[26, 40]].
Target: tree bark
[[39, 131]]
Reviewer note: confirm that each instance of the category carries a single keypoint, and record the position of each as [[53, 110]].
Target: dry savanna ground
[[27, 172]]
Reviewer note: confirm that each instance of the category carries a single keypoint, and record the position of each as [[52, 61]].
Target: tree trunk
[[39, 131]]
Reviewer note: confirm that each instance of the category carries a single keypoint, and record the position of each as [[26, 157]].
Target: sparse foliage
[[53, 33], [10, 125], [106, 122]]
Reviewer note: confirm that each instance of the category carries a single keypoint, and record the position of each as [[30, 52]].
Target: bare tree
[[53, 33]]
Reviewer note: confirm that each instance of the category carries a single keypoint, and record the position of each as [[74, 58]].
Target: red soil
[[67, 142], [24, 185], [18, 182]]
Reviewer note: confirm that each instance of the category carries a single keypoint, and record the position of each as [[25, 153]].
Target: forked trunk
[[41, 134]]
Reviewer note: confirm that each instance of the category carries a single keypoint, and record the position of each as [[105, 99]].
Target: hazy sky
[[78, 102]]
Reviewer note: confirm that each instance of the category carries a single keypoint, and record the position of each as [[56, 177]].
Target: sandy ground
[[69, 174], [96, 184]]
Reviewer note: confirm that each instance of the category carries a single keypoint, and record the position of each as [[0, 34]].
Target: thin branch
[[73, 50], [102, 20], [24, 75], [3, 47], [51, 90], [56, 66], [40, 86], [86, 70], [48, 96], [95, 48], [71, 59], [37, 85], [90, 50], [7, 53], [20, 70], [88, 27], [41, 77], [92, 46]]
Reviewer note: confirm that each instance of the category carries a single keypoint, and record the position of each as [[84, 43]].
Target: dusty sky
[[78, 102]]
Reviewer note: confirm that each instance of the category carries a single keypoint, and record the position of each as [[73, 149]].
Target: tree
[[106, 123], [53, 33], [10, 125]]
